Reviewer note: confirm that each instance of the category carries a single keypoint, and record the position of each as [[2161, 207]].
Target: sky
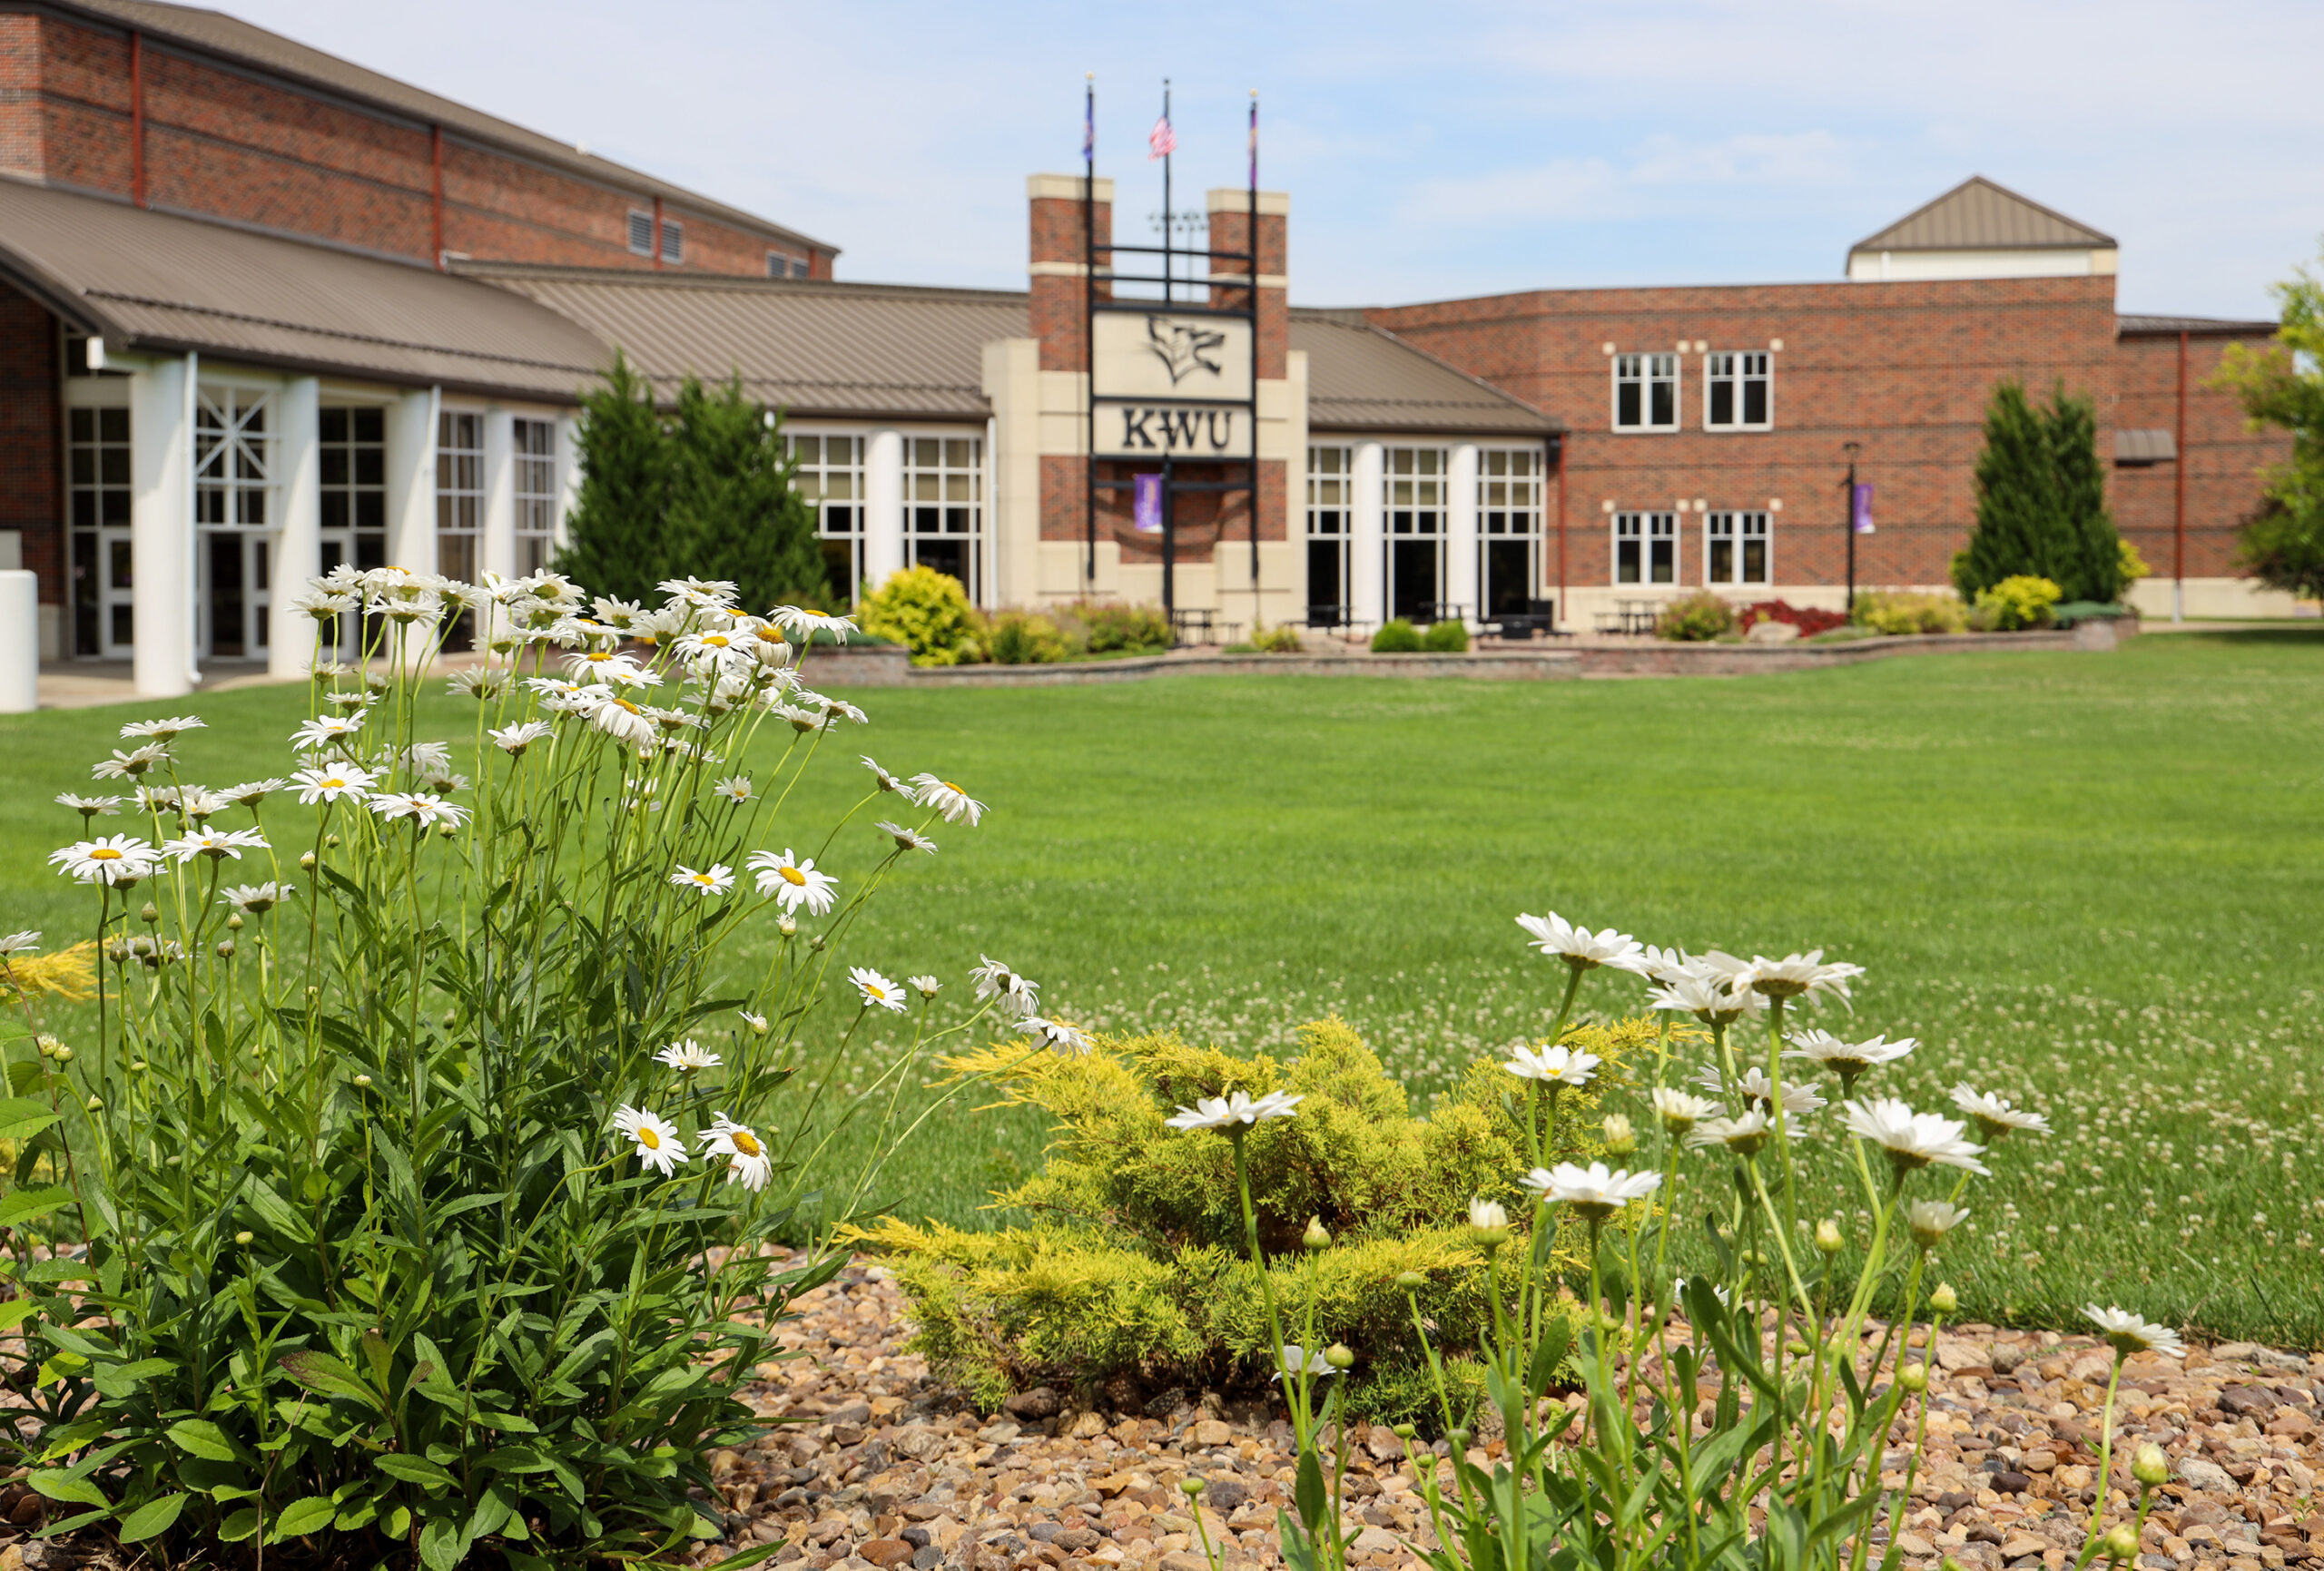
[[1434, 148]]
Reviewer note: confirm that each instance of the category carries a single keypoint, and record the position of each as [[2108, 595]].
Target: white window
[[1645, 549], [1419, 489], [945, 506], [1738, 391], [459, 493], [1736, 548], [1509, 516], [674, 241], [1646, 392], [828, 474], [535, 458], [231, 457], [641, 232], [99, 488], [1330, 502], [233, 476]]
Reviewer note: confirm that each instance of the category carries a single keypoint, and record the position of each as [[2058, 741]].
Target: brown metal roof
[[158, 282], [849, 350], [1361, 378], [2198, 327], [1978, 215], [231, 39]]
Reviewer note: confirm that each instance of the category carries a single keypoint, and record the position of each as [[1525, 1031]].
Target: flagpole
[[1168, 147], [1251, 244], [1089, 330]]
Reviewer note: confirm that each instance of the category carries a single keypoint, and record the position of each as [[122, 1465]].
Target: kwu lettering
[[1152, 430]]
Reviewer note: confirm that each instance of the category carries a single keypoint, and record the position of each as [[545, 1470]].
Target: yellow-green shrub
[[1898, 613], [2020, 602], [927, 612]]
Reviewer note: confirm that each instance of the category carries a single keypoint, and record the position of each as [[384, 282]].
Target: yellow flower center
[[719, 638], [647, 1138], [599, 654], [810, 611], [770, 636], [629, 706], [105, 854], [744, 1141], [333, 783], [871, 991], [950, 787], [792, 875], [702, 879]]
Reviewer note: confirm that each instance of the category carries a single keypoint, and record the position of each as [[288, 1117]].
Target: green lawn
[[2091, 882]]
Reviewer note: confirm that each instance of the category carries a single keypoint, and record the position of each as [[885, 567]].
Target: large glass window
[[535, 455], [97, 487], [233, 482], [1509, 517], [1418, 492], [1738, 391], [1330, 502], [1645, 549], [1735, 548], [459, 493], [354, 451], [1646, 392], [944, 506], [829, 477]]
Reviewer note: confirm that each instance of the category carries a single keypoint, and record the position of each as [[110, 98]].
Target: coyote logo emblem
[[1183, 346]]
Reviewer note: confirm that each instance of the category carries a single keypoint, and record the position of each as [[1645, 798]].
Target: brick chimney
[[1230, 224]]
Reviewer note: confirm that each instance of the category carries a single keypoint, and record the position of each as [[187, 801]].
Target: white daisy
[[599, 664], [1758, 1091], [112, 859], [907, 839], [702, 594], [1236, 1110], [91, 807], [926, 986], [1488, 1216], [735, 788], [163, 729], [947, 799], [325, 730], [1295, 1360], [256, 899], [658, 1145], [1019, 994], [1707, 997], [1581, 949], [513, 739], [1564, 1065], [1931, 1220], [1681, 1110], [250, 793], [792, 883], [840, 709], [1995, 1117], [883, 779], [714, 879], [19, 943], [216, 843], [1912, 1140], [876, 989], [422, 808], [478, 682], [2128, 1334], [338, 783], [1594, 1191], [748, 1162], [757, 1023], [802, 623], [1847, 1059], [1744, 1137], [1062, 1036], [131, 764], [688, 1057], [617, 716], [1796, 974]]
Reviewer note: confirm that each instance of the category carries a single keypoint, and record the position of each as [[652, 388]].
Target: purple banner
[[1861, 512], [1146, 504]]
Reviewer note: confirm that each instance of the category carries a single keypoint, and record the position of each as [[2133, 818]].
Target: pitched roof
[[1361, 378], [2198, 327], [1978, 215], [154, 280], [815, 347], [215, 33]]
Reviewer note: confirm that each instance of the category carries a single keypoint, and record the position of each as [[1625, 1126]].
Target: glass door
[[98, 485], [230, 570], [1416, 480], [233, 481]]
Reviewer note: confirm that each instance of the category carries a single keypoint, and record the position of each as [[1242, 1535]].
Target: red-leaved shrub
[[1806, 618]]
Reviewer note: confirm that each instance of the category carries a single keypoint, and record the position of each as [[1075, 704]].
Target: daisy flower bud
[[1411, 1280], [1316, 1236], [137, 1066], [96, 1105], [152, 913], [1828, 1236], [235, 922], [2120, 1543], [1945, 1300], [1404, 1431], [244, 1236], [1913, 1377], [1340, 1356], [786, 925], [1620, 1139], [226, 949], [48, 1046], [2151, 1467], [1190, 1487], [1488, 1224], [64, 1054], [306, 861], [363, 1082]]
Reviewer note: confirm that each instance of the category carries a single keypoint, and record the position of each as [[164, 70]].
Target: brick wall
[[31, 439], [264, 152], [2223, 458], [1904, 370]]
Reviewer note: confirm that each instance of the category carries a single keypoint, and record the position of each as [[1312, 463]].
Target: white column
[[298, 544], [1464, 583], [160, 526], [498, 548], [19, 641], [883, 506], [568, 474], [1367, 540], [411, 480]]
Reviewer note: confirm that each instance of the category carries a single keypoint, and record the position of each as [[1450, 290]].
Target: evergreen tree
[[614, 538], [2042, 500], [732, 512]]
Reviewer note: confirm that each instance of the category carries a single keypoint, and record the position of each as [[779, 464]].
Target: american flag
[[1162, 141]]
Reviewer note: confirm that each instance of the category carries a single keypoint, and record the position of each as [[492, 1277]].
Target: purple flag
[[1861, 512], [1146, 504]]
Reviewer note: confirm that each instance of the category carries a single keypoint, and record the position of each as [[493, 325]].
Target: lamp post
[[1848, 515]]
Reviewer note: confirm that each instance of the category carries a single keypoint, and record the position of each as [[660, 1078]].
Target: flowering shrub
[[1742, 1418], [1809, 619], [1696, 618], [2019, 603], [409, 1193]]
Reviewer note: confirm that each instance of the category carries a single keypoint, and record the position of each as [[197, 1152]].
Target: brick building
[[263, 310]]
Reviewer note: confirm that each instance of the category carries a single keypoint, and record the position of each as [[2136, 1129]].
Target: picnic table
[[1629, 617]]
